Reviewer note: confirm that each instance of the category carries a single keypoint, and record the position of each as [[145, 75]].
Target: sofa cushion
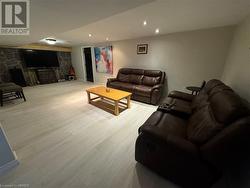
[[123, 77], [127, 86], [135, 79], [151, 81], [202, 126], [181, 103], [181, 95], [142, 90], [168, 100], [153, 73], [177, 102], [122, 86], [173, 125], [218, 89], [137, 71], [228, 106], [131, 71]]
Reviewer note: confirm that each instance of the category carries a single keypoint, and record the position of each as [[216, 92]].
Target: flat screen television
[[40, 58]]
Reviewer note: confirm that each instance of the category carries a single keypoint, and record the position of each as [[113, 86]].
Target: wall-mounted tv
[[40, 58]]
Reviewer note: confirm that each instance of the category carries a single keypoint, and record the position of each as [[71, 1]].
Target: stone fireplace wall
[[11, 58]]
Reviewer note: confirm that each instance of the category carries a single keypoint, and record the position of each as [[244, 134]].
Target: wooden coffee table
[[107, 95]]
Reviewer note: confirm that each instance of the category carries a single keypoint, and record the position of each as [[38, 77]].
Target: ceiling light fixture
[[90, 35], [145, 23], [157, 31], [51, 41], [107, 38]]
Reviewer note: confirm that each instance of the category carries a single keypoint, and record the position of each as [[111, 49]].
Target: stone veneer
[[11, 58]]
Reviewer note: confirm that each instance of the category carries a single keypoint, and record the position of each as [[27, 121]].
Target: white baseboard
[[8, 166]]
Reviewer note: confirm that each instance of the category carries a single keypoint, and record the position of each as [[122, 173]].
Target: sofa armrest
[[178, 144], [229, 147], [156, 93], [158, 86], [112, 79], [181, 95], [180, 111], [173, 157]]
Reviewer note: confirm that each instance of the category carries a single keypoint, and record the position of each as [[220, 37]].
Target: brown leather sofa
[[145, 85], [197, 138]]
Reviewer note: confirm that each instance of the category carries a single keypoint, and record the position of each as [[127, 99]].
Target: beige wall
[[188, 58], [237, 68]]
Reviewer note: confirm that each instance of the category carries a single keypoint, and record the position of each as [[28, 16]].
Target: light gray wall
[[76, 56], [188, 58], [237, 75], [237, 68], [6, 154]]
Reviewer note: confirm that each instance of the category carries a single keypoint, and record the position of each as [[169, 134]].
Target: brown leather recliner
[[194, 150], [145, 85]]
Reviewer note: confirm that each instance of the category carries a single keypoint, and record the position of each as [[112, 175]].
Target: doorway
[[88, 64]]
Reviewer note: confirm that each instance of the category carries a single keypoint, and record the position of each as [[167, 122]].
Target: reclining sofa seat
[[195, 151], [187, 102], [145, 85]]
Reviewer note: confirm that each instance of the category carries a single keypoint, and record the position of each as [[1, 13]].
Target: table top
[[113, 94]]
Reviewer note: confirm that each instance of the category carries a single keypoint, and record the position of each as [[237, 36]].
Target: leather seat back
[[152, 77], [202, 125], [211, 88], [227, 107], [130, 75], [222, 109], [140, 76], [211, 84]]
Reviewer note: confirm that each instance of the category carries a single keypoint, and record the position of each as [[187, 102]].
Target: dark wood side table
[[195, 90]]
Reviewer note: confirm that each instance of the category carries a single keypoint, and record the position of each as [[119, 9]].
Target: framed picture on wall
[[142, 48], [104, 59]]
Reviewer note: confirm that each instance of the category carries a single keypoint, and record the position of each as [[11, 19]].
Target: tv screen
[[40, 58]]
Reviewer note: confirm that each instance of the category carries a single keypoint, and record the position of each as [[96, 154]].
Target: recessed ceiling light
[[50, 41], [90, 35], [145, 23], [107, 38], [157, 31]]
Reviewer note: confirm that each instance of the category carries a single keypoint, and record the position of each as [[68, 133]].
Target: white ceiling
[[73, 20], [52, 17]]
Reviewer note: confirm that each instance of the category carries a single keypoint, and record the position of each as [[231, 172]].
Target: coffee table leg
[[88, 97], [128, 101], [116, 108]]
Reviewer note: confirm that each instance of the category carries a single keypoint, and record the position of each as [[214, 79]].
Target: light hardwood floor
[[62, 141]]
